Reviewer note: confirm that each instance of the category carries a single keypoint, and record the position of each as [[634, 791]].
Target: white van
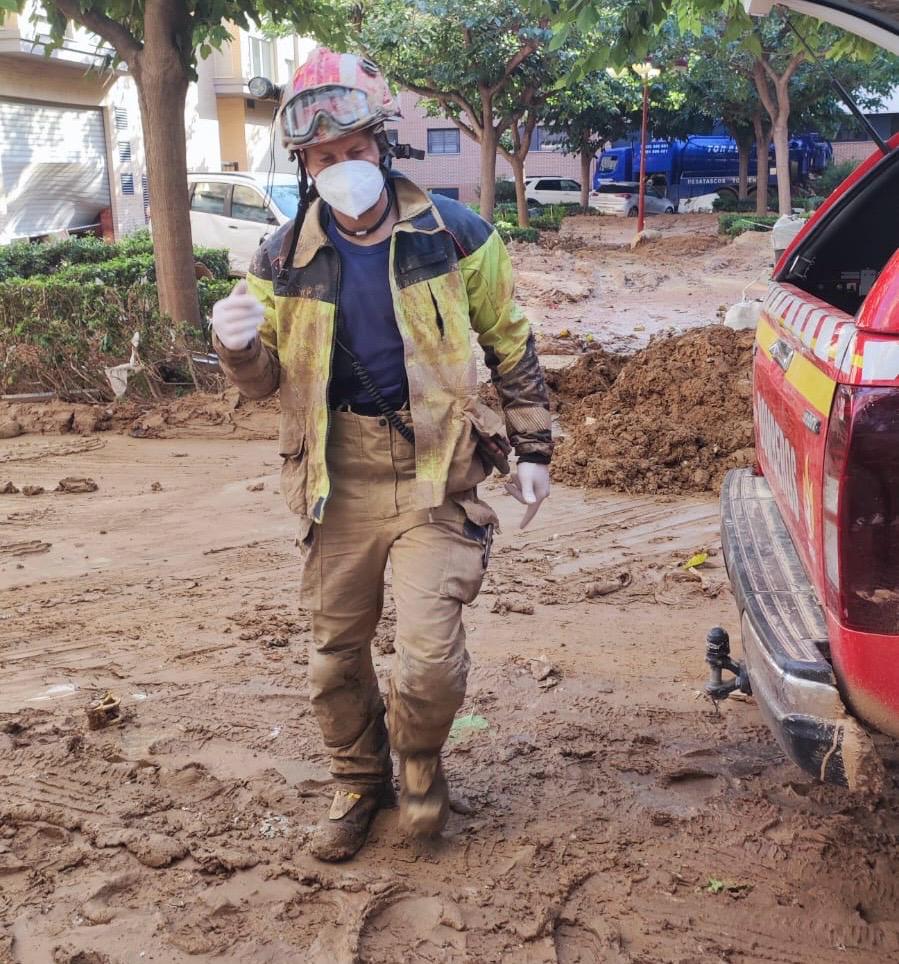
[[231, 210]]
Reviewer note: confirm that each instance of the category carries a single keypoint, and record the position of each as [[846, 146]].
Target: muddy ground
[[611, 813]]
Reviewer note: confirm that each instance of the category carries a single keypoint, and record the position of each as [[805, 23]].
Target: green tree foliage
[[160, 41], [771, 44], [586, 115], [465, 57]]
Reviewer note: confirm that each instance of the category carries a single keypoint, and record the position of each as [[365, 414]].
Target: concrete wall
[[201, 123]]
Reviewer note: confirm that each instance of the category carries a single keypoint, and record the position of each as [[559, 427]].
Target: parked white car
[[552, 190], [231, 210], [622, 198]]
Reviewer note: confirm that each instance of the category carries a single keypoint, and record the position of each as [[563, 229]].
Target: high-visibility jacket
[[450, 274]]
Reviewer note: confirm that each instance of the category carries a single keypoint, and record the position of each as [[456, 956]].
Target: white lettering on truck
[[780, 454]]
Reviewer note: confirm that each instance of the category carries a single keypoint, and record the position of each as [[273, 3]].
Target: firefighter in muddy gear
[[360, 312]]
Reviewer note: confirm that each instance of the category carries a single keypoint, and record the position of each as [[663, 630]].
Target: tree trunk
[[521, 201], [586, 162], [782, 160], [743, 148], [162, 92], [489, 140], [762, 140], [774, 92]]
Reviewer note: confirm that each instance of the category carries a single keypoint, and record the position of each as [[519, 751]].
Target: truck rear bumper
[[785, 644]]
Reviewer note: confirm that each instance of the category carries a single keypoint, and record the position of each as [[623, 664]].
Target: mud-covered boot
[[424, 795], [344, 829]]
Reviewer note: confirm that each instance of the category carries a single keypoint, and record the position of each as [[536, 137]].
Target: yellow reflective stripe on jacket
[[500, 323]]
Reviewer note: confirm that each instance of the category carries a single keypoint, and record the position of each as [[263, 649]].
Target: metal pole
[[641, 204]]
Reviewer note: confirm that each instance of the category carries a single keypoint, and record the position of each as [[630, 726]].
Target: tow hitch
[[717, 655]]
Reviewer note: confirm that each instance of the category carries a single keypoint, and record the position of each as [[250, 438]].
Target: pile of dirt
[[676, 418], [679, 246], [591, 375]]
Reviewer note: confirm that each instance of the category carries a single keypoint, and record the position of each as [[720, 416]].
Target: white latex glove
[[530, 485], [236, 319]]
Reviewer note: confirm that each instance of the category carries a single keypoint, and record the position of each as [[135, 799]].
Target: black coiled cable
[[381, 403]]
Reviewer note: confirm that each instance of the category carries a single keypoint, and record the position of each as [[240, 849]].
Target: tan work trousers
[[437, 558]]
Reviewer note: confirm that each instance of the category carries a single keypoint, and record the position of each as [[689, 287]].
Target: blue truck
[[703, 164]]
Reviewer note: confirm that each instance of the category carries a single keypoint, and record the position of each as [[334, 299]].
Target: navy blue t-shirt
[[366, 324]]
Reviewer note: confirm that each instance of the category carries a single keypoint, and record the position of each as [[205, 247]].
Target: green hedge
[[730, 202], [60, 258], [834, 176], [511, 232], [121, 272], [734, 224], [62, 334]]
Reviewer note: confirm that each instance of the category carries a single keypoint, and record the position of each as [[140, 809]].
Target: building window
[[452, 192], [124, 151], [260, 57], [444, 140], [127, 183], [145, 190], [544, 140], [290, 65], [121, 119]]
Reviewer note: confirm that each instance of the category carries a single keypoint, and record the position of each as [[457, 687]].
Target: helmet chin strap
[[306, 197]]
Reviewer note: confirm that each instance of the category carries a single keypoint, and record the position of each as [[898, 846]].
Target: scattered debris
[[7, 488], [74, 483], [697, 559], [273, 825], [595, 590], [256, 487], [103, 712], [156, 487], [737, 891], [512, 604], [32, 490], [11, 429], [463, 725], [545, 672]]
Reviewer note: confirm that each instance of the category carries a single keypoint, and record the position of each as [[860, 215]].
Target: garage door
[[52, 168]]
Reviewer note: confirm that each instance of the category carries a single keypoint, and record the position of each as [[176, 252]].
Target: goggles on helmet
[[342, 107]]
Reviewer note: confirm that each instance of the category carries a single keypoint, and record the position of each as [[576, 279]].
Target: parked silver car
[[622, 198]]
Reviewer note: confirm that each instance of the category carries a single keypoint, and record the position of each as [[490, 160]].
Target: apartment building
[[452, 165]]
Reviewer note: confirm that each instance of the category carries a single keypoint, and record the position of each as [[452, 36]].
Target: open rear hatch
[[874, 20]]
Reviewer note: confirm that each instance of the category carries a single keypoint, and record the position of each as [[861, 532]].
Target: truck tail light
[[861, 509]]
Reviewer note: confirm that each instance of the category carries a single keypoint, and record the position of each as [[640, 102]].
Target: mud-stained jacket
[[450, 274]]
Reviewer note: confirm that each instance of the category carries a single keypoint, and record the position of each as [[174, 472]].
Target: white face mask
[[351, 187]]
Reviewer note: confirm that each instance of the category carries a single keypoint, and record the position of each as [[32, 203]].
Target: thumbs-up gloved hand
[[236, 319], [530, 486]]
